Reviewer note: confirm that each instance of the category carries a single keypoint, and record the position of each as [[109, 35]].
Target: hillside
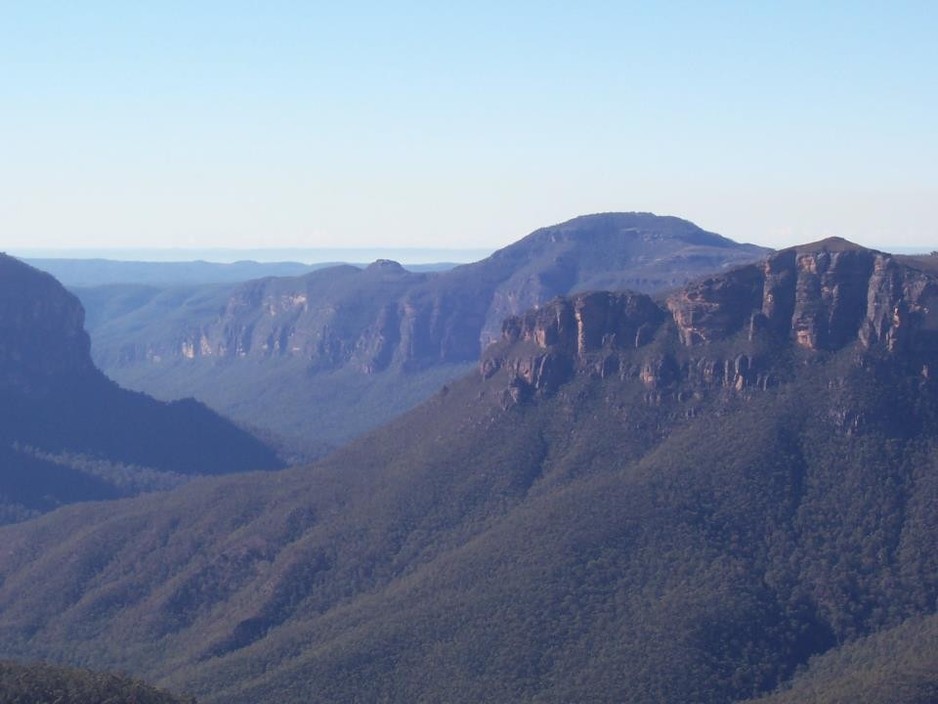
[[45, 684], [700, 500], [320, 358], [67, 433]]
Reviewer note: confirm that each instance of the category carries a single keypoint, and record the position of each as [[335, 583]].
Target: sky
[[245, 125]]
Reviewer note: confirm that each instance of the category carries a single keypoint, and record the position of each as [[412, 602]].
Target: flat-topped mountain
[[67, 433], [607, 251], [289, 354], [704, 499]]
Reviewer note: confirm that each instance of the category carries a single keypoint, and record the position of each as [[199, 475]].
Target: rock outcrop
[[818, 298], [584, 331], [822, 296]]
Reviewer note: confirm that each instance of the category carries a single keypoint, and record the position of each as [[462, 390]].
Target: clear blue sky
[[307, 124]]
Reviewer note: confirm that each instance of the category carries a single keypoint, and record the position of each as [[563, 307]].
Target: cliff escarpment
[[729, 330], [41, 328]]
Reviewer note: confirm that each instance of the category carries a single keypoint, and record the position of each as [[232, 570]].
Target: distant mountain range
[[720, 494], [79, 273], [319, 358], [67, 433]]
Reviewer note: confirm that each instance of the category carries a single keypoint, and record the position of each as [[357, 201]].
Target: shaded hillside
[[46, 684], [67, 433], [303, 356], [897, 665], [629, 502]]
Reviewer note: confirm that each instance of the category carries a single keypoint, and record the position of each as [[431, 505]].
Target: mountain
[[711, 498], [67, 433], [323, 357]]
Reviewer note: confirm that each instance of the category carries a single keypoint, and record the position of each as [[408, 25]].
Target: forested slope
[[705, 500]]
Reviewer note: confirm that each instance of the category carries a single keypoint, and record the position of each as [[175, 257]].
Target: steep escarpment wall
[[821, 297], [41, 327]]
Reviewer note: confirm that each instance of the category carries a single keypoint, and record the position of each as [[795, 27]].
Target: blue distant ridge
[[404, 255]]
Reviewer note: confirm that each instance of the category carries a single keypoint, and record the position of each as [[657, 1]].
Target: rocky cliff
[[821, 296], [41, 327], [727, 330]]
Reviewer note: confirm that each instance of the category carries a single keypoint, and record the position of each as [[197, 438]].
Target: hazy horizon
[[320, 255], [227, 255]]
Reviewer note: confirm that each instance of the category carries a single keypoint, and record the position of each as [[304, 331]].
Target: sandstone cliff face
[[584, 331], [822, 297], [817, 298], [41, 327], [330, 318]]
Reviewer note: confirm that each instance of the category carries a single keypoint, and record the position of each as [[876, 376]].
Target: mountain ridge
[[611, 537]]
